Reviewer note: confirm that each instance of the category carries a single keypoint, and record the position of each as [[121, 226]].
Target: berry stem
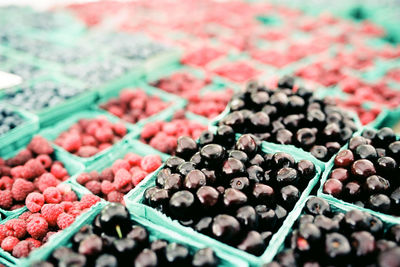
[[118, 229]]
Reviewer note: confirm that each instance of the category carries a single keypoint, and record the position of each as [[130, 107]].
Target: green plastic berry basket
[[175, 102], [54, 241], [20, 134], [155, 232], [135, 147], [51, 133], [163, 116], [50, 115], [73, 167], [135, 201], [289, 227], [325, 176]]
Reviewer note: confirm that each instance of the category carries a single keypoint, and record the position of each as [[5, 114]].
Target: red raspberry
[[83, 178], [15, 227], [67, 205], [50, 213], [120, 164], [52, 195], [127, 95], [9, 243], [76, 209], [20, 159], [87, 151], [6, 183], [122, 178], [150, 130], [45, 160], [64, 188], [133, 159], [107, 187], [70, 196], [33, 216], [94, 187], [104, 134], [46, 180], [3, 233], [34, 201], [6, 199], [39, 145], [138, 176], [22, 249], [5, 171], [72, 142], [150, 163], [107, 174], [35, 168], [19, 172], [35, 243], [21, 188], [88, 140], [128, 187], [115, 196], [24, 216], [47, 237], [119, 129], [104, 146], [89, 200], [64, 220], [37, 227], [58, 171]]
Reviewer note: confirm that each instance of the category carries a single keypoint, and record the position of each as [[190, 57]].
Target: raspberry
[[89, 200], [75, 209], [83, 178], [94, 187], [20, 159], [107, 187], [24, 216], [9, 243], [107, 174], [115, 196], [6, 199], [87, 151], [5, 171], [35, 243], [150, 130], [45, 160], [88, 140], [95, 175], [50, 213], [70, 196], [120, 164], [122, 178], [64, 188], [104, 146], [18, 171], [64, 220], [3, 233], [36, 168], [15, 227], [58, 171], [33, 216], [39, 145], [133, 159], [150, 163], [22, 249], [126, 188], [46, 180], [119, 129], [66, 205], [52, 195], [34, 201], [104, 134], [21, 188], [138, 176], [72, 142], [37, 227], [47, 236], [6, 183]]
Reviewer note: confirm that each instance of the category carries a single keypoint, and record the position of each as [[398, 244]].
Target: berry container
[[50, 115], [324, 177], [57, 238], [175, 102], [73, 167], [100, 164], [21, 134], [51, 133], [135, 200], [288, 227], [155, 232]]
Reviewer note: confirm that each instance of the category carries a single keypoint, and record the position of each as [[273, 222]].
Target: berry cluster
[[8, 120], [32, 169], [323, 237], [124, 174], [88, 137], [367, 172], [239, 72], [163, 135], [41, 95], [229, 190], [49, 212], [210, 104], [134, 105], [286, 116], [114, 240]]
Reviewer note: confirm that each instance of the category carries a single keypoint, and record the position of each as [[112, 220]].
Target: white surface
[[9, 80]]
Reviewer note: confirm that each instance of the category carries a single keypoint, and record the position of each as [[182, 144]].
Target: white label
[[9, 80]]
